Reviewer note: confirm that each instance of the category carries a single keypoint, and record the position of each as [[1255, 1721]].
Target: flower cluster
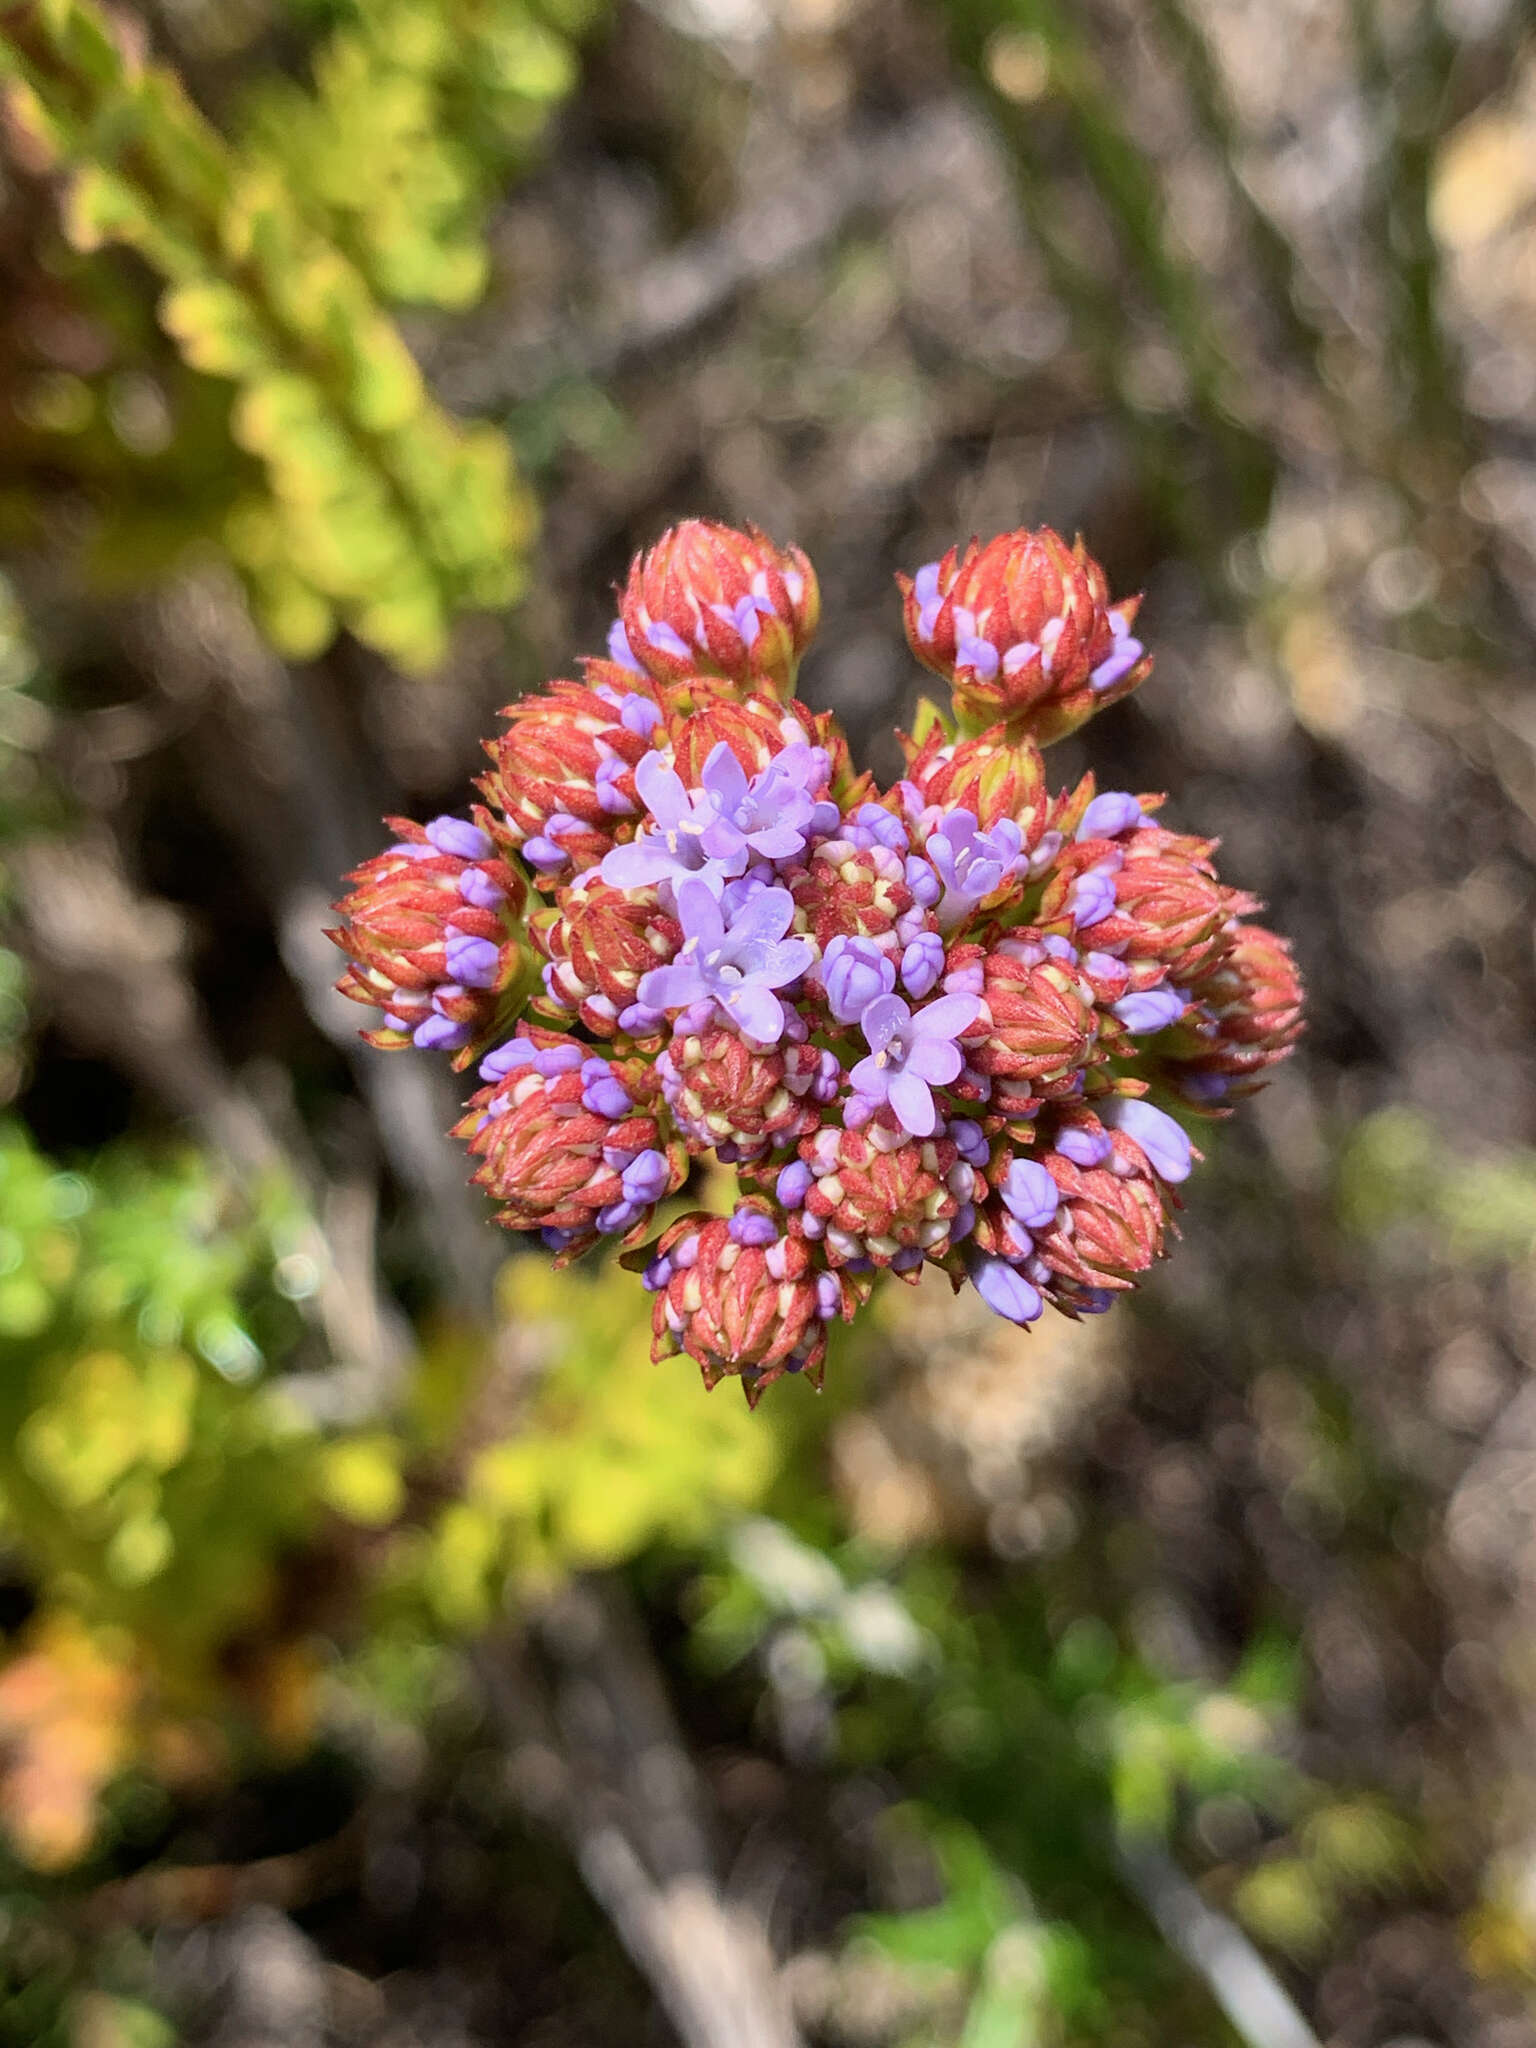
[[943, 1023]]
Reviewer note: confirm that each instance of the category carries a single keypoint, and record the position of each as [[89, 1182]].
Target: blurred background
[[391, 1654]]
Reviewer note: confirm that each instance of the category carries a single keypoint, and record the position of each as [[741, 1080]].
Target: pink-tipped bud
[[707, 599], [434, 932], [1024, 631]]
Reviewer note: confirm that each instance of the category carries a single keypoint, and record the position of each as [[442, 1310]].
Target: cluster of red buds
[[943, 1024]]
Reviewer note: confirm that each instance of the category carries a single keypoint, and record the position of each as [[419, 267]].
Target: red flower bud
[[754, 1309], [736, 1098], [1170, 912], [1040, 1025], [755, 729], [1246, 1015], [991, 777], [434, 936], [881, 1195], [599, 942], [564, 777], [709, 599], [1113, 1221], [859, 891], [1024, 631], [559, 1164]]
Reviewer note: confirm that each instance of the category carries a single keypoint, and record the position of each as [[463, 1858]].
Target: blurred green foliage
[[162, 1491], [1397, 1174], [149, 1473], [370, 507], [610, 1456], [442, 103]]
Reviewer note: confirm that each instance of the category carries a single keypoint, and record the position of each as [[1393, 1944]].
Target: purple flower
[[1092, 896], [602, 1092], [793, 1184], [1204, 1087], [476, 887], [751, 1226], [736, 965], [921, 964], [645, 1178], [922, 881], [971, 651], [1043, 858], [911, 1053], [641, 1019], [725, 825], [472, 962], [1124, 656], [873, 825], [1109, 815], [925, 588], [1083, 1147], [970, 863], [1153, 1009], [1030, 1194], [771, 816], [1108, 975], [437, 1033], [613, 800], [619, 649], [517, 1052], [969, 1140], [457, 835], [1167, 1148], [743, 616], [667, 640], [855, 973], [829, 1296], [1004, 1289], [545, 850], [639, 715], [676, 847]]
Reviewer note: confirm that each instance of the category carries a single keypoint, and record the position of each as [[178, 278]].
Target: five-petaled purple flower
[[736, 965], [970, 863], [719, 829], [910, 1054]]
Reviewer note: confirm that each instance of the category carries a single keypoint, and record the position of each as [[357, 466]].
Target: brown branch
[[598, 1756]]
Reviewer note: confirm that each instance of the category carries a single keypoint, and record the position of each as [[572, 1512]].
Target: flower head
[[742, 1299], [707, 599], [884, 1196], [563, 780], [1024, 630], [566, 1142], [432, 929], [931, 1024]]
